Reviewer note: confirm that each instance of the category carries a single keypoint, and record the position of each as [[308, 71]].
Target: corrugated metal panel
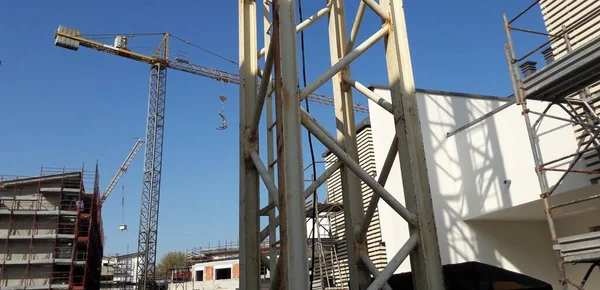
[[334, 194], [559, 15]]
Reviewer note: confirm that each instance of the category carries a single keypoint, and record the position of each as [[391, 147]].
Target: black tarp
[[476, 276]]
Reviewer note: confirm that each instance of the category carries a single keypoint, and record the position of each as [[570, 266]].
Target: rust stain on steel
[[250, 145]]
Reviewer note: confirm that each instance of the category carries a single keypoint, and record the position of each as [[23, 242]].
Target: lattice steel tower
[[155, 124], [286, 188]]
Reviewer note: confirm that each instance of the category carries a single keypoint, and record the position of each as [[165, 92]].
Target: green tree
[[169, 261]]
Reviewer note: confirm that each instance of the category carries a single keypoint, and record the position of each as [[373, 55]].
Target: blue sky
[[65, 108]]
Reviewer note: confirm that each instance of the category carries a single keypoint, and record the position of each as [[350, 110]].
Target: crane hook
[[222, 114]]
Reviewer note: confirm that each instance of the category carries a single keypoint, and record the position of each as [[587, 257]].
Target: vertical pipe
[[346, 133], [290, 173], [512, 65], [425, 257], [270, 149], [249, 179]]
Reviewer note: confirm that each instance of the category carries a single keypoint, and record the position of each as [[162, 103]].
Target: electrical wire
[[312, 154]]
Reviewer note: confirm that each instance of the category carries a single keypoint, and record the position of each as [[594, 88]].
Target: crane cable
[[312, 153], [203, 49], [123, 204]]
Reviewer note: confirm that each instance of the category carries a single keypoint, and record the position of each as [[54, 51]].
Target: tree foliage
[[169, 261]]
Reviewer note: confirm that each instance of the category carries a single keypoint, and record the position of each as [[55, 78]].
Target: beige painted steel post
[[270, 148], [292, 266], [249, 179], [346, 135], [289, 148], [425, 257]]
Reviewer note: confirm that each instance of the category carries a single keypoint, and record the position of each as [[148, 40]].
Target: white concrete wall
[[467, 174]]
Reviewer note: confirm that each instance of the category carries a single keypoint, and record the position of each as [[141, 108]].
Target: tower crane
[[122, 170], [72, 39]]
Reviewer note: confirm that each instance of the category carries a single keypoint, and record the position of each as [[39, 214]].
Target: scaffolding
[[563, 82], [327, 272], [563, 86], [50, 230], [180, 278], [221, 251]]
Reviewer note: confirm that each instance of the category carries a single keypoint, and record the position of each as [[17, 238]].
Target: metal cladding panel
[[559, 13], [334, 195]]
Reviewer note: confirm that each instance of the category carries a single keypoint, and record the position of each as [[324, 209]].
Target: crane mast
[[122, 169], [148, 228]]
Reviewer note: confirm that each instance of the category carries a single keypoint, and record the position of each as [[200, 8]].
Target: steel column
[[425, 257], [291, 268], [148, 227], [289, 143], [346, 135], [249, 177], [267, 24]]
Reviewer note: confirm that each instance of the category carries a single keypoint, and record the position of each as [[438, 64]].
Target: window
[[223, 274], [200, 275]]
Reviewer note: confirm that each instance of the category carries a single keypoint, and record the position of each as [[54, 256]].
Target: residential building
[[50, 231]]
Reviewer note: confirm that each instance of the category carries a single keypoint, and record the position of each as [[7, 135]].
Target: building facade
[[484, 187], [50, 231], [119, 271]]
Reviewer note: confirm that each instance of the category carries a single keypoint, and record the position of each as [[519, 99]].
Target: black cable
[[312, 153]]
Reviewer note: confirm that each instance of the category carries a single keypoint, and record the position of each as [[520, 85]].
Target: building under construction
[[51, 230], [216, 267]]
